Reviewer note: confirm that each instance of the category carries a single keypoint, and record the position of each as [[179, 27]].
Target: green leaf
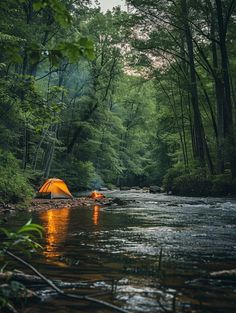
[[38, 5], [29, 222], [5, 231], [31, 227], [86, 42]]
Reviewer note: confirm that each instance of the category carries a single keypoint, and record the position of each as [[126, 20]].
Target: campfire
[[96, 195]]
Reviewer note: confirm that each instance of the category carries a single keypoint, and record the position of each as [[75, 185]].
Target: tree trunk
[[197, 122], [50, 155], [25, 147], [229, 146], [44, 133], [219, 90]]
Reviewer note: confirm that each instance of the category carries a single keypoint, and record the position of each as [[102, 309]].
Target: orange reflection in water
[[55, 222], [96, 211]]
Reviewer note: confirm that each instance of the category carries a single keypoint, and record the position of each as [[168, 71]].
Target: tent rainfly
[[54, 188]]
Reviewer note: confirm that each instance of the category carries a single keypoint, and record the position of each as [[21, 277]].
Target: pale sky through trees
[[109, 4]]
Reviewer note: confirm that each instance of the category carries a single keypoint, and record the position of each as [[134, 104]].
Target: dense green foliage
[[14, 186], [118, 98], [189, 54]]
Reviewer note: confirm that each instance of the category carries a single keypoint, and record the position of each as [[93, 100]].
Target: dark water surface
[[196, 236]]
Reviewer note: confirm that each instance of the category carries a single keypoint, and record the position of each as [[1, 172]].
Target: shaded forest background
[[137, 98]]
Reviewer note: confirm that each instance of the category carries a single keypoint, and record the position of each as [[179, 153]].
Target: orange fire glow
[[55, 222], [97, 195]]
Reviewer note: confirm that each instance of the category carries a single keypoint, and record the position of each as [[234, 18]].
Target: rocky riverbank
[[46, 204]]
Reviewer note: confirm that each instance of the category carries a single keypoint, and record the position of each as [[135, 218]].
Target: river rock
[[119, 201], [103, 189], [155, 189], [124, 188], [136, 188]]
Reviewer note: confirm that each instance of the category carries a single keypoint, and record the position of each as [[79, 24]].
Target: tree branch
[[61, 292]]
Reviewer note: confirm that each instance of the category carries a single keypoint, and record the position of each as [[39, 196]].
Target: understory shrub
[[197, 182], [192, 185], [170, 176], [223, 185], [14, 186]]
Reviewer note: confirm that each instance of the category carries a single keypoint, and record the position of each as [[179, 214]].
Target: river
[[160, 250]]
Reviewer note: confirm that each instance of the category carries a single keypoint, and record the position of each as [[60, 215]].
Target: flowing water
[[157, 252]]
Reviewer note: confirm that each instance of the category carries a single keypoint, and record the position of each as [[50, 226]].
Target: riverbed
[[159, 253]]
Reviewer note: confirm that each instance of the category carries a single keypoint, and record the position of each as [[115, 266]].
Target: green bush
[[110, 186], [35, 178], [14, 186], [192, 185], [170, 176], [198, 183], [223, 185], [232, 191]]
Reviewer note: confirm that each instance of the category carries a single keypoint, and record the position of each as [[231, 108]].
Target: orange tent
[[54, 188]]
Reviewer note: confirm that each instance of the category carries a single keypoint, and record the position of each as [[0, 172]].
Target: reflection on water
[[55, 222], [96, 211], [123, 243]]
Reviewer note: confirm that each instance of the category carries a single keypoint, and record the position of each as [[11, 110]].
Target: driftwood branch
[[60, 291], [35, 280], [224, 273], [49, 282], [19, 276]]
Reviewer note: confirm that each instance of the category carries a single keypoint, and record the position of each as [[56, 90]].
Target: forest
[[140, 97], [107, 108]]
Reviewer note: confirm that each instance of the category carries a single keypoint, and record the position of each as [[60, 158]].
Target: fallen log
[[28, 279], [19, 276]]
